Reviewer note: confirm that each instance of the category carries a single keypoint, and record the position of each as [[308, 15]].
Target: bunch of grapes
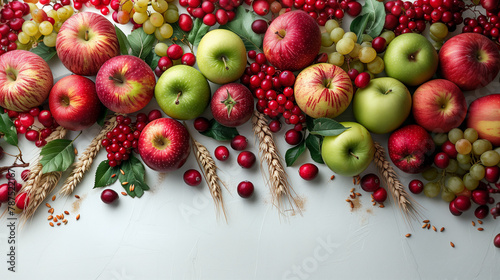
[[405, 16], [169, 54], [274, 90], [124, 138], [210, 11], [488, 25], [11, 21], [460, 169], [360, 61], [322, 10], [25, 124]]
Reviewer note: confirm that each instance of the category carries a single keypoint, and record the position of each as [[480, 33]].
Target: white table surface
[[173, 232]]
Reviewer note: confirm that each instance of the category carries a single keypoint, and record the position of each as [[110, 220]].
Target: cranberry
[[245, 189], [362, 80], [4, 193], [201, 124], [246, 159], [370, 182], [441, 160], [221, 153], [26, 119], [275, 125], [192, 177], [153, 115], [25, 174], [353, 73], [380, 195], [449, 149], [293, 137], [462, 203], [416, 186], [287, 78], [239, 143], [308, 171], [188, 59], [108, 196], [453, 209], [492, 173], [480, 197], [482, 211], [378, 44], [496, 241], [22, 200], [175, 52]]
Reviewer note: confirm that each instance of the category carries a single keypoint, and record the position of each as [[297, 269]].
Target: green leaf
[[104, 173], [327, 127], [293, 154], [44, 52], [8, 129], [202, 30], [102, 116], [57, 155], [313, 144], [122, 40], [178, 34], [152, 60], [242, 26], [309, 123], [220, 132], [134, 172], [371, 20], [141, 43]]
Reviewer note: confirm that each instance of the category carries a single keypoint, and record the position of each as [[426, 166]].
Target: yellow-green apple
[[383, 105], [292, 41], [221, 56], [323, 90], [410, 58], [484, 116], [350, 152], [73, 102], [470, 60], [164, 144], [25, 80], [232, 104], [85, 41], [439, 105], [411, 148], [182, 92], [125, 84]]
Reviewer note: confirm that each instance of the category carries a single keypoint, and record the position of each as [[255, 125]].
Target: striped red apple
[[25, 80]]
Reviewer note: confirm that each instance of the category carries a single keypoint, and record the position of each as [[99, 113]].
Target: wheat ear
[[278, 179], [406, 204], [207, 165], [85, 160]]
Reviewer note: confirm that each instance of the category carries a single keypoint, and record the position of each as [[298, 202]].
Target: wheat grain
[[209, 168], [282, 193], [404, 201], [85, 160]]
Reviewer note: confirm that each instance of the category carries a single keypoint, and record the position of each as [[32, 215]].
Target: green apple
[[221, 56], [411, 58], [182, 92], [350, 152], [383, 105]]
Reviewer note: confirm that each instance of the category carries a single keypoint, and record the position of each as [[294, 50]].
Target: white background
[[173, 232]]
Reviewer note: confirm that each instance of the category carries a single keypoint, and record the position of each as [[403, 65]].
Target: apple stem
[[225, 64], [86, 35], [115, 79], [277, 33], [352, 154], [177, 99], [390, 90]]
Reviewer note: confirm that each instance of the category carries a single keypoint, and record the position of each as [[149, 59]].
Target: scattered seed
[[65, 221], [124, 183], [358, 194], [50, 218], [452, 244], [374, 203], [113, 176], [76, 151], [408, 235], [424, 226], [428, 226], [348, 200], [77, 196], [78, 217], [372, 197], [333, 177], [473, 224], [480, 229], [352, 205], [480, 222], [62, 217], [124, 193], [51, 224], [122, 172], [381, 205], [352, 196], [48, 205], [51, 210], [53, 198], [353, 189], [425, 221], [442, 229], [132, 188], [58, 224], [55, 219], [66, 212], [354, 180], [434, 228]]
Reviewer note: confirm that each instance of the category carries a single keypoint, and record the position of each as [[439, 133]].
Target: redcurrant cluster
[[488, 25], [101, 5], [274, 90], [11, 21], [5, 188], [405, 16], [170, 53], [25, 124], [322, 10], [211, 11], [123, 139]]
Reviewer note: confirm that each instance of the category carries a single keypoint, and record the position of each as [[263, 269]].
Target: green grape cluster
[[157, 22], [438, 32]]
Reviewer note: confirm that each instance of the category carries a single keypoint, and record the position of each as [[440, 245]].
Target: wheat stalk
[[38, 194], [207, 165], [406, 204], [278, 179], [85, 160]]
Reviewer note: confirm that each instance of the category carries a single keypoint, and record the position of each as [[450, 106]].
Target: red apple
[[232, 104], [85, 41], [411, 148], [125, 84], [73, 102], [292, 41], [439, 105], [25, 80], [323, 90], [164, 144], [484, 117], [470, 60]]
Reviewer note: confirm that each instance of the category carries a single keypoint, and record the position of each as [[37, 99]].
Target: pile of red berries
[[274, 90], [11, 22], [174, 52], [210, 11], [488, 25], [124, 138], [101, 5], [25, 124], [322, 10]]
